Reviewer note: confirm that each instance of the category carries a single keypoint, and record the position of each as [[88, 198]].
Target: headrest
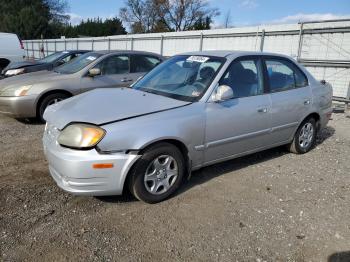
[[206, 72]]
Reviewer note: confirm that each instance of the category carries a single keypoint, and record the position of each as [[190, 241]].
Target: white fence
[[322, 46]]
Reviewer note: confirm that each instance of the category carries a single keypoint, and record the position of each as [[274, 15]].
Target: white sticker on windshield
[[196, 93], [91, 58], [199, 59]]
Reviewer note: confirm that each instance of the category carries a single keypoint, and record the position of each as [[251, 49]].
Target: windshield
[[78, 63], [182, 77], [52, 57]]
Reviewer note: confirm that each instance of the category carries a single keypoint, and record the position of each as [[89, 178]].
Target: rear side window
[[113, 65], [143, 63], [244, 77], [283, 75]]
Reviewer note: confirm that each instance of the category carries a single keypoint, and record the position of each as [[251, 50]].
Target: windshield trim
[[181, 97]]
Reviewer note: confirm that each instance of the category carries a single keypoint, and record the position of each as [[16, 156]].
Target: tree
[[32, 18], [202, 24], [227, 20], [95, 27], [140, 14], [147, 15], [182, 15]]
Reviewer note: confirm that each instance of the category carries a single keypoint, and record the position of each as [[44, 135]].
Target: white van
[[11, 49]]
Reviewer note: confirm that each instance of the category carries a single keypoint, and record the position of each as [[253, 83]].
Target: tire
[[304, 143], [157, 174], [49, 100]]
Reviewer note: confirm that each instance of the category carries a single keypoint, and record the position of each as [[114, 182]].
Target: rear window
[[284, 75]]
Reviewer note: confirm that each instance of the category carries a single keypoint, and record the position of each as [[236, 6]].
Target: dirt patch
[[268, 206]]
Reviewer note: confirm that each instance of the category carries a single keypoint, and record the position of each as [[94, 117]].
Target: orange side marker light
[[102, 166]]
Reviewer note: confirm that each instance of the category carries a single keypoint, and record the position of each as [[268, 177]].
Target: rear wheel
[[47, 101], [157, 174], [304, 138]]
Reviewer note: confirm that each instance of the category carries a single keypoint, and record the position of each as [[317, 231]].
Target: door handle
[[262, 110], [307, 102], [125, 80]]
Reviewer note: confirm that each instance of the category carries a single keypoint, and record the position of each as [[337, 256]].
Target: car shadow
[[124, 198], [340, 257], [324, 134], [205, 174], [30, 121]]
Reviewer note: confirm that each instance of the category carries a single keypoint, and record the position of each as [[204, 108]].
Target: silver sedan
[[28, 95], [193, 110]]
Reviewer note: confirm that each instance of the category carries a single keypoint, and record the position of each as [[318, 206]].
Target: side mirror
[[223, 93], [94, 72]]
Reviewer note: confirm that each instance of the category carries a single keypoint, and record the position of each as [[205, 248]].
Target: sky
[[241, 12]]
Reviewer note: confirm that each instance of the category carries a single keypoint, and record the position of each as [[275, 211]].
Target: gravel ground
[[270, 206]]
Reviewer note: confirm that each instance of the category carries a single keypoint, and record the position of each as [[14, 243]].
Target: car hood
[[31, 79], [16, 65], [105, 105]]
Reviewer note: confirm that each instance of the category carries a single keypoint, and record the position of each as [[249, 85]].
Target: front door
[[242, 124], [115, 72]]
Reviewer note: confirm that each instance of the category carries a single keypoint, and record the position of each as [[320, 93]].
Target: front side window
[[283, 75], [182, 77], [78, 64], [143, 63], [113, 65], [244, 77]]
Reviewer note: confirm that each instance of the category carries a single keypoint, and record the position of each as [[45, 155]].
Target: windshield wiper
[[147, 91]]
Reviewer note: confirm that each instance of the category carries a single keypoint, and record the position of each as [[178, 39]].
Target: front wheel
[[47, 101], [304, 138], [157, 174]]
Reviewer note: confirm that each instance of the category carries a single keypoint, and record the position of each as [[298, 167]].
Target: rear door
[[290, 97], [115, 72], [241, 124]]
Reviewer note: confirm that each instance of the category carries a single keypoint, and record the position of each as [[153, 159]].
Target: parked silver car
[[193, 110], [26, 96]]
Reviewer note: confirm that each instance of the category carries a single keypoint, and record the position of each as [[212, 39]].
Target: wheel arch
[[47, 93], [4, 62], [173, 141], [315, 116]]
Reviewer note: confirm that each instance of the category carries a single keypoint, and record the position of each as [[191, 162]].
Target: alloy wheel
[[161, 174], [306, 135]]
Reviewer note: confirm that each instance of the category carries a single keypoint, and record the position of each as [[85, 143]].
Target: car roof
[[74, 51], [226, 53], [104, 52]]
